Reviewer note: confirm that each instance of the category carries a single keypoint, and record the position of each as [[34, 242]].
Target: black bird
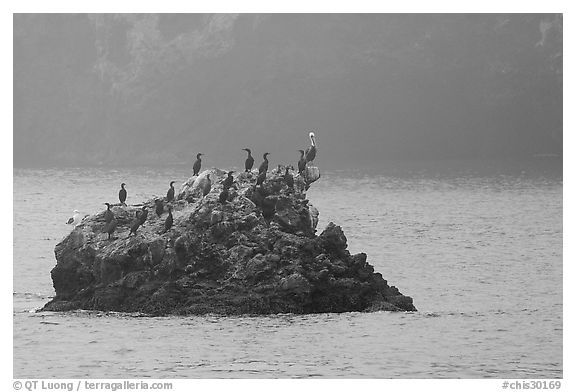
[[134, 225], [289, 179], [159, 207], [109, 227], [301, 162], [249, 161], [197, 164], [122, 194], [143, 215], [170, 194], [108, 215], [169, 220], [311, 151], [261, 178], [264, 165], [228, 181], [223, 198]]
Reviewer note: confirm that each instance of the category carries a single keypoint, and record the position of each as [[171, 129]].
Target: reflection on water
[[479, 248]]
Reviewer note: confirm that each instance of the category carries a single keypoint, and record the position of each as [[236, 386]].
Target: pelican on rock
[[311, 151]]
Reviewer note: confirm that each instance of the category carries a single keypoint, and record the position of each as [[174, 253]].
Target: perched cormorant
[[108, 215], [261, 178], [109, 227], [169, 220], [159, 207], [223, 198], [206, 186], [301, 162], [289, 179], [134, 225], [170, 194], [311, 151], [143, 215], [228, 181], [122, 194], [74, 219], [264, 165], [249, 161], [197, 164]]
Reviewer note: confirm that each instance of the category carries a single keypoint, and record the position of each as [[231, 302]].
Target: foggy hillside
[[149, 89]]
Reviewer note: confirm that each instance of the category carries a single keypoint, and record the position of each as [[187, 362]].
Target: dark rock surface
[[257, 253]]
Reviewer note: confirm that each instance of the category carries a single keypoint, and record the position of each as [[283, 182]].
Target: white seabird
[[74, 219]]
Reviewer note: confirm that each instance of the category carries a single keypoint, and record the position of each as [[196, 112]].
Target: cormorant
[[228, 181], [134, 225], [108, 215], [74, 219], [301, 162], [170, 194], [197, 164], [264, 165], [261, 178], [249, 161], [159, 207], [169, 220], [223, 198], [143, 215], [122, 194], [311, 151], [109, 227], [206, 186], [289, 179]]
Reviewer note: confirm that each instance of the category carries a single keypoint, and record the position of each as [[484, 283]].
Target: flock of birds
[[111, 223]]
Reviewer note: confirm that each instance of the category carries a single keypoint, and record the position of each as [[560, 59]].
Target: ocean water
[[477, 245]]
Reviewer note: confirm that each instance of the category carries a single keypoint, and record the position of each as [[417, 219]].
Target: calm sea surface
[[478, 247]]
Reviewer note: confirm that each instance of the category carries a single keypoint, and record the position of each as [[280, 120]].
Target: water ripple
[[480, 253]]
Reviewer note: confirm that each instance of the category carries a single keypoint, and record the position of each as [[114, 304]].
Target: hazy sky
[[158, 88]]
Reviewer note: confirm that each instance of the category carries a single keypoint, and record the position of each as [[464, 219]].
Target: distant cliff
[[148, 88]]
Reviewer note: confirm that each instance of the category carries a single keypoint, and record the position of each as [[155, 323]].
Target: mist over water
[[477, 245], [127, 89]]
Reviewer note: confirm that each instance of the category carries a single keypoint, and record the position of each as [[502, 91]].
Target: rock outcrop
[[256, 253]]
